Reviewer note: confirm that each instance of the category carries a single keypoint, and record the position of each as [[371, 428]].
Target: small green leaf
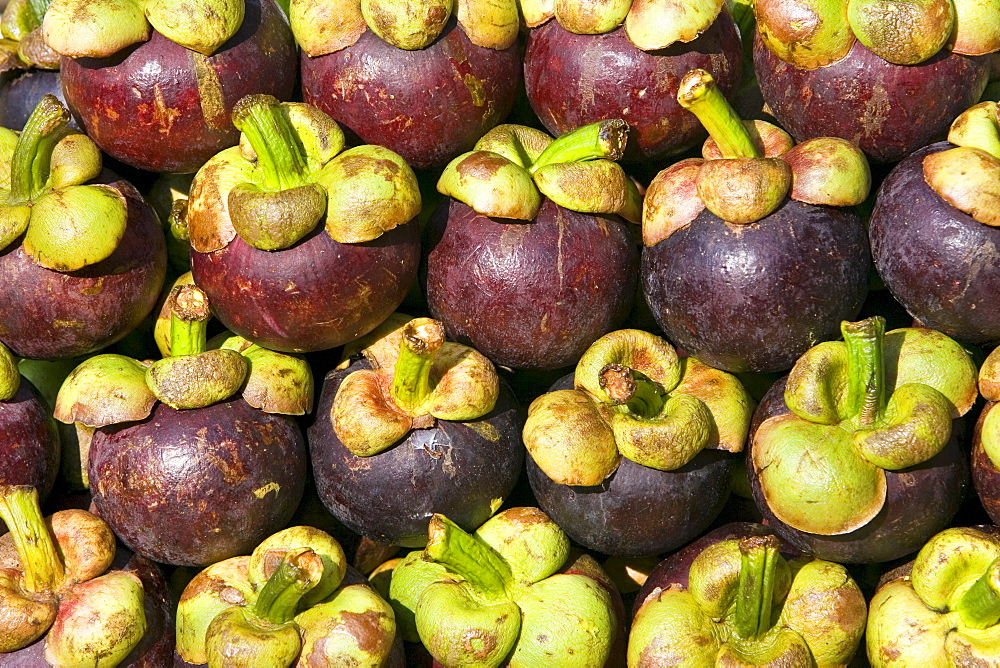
[[76, 226]]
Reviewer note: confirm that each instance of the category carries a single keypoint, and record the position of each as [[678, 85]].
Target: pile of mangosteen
[[529, 333]]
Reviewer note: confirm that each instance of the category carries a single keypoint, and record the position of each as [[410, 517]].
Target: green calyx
[[101, 28], [852, 419], [66, 225], [634, 398], [511, 167], [418, 378], [979, 607], [10, 375], [36, 550], [21, 24], [476, 562], [299, 571], [759, 559]]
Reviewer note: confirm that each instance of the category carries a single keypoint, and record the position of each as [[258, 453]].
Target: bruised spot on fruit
[[787, 22], [479, 644], [366, 628], [524, 516], [481, 166]]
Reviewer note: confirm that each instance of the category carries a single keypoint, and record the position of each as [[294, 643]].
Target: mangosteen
[[745, 601], [529, 260], [83, 257], [861, 458], [624, 60], [754, 253], [889, 77], [935, 230], [154, 83], [632, 455], [29, 441], [986, 439], [302, 246], [416, 426], [184, 471], [411, 77]]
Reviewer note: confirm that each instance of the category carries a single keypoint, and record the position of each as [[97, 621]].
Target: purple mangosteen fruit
[[935, 230], [754, 253], [192, 458], [410, 76], [860, 458], [83, 255], [154, 84], [302, 246], [418, 425], [529, 259], [632, 455], [889, 77], [586, 63]]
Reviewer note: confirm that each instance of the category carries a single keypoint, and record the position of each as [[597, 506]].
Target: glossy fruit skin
[[177, 120], [427, 105], [29, 442], [755, 297], [20, 96], [887, 110], [316, 295], [529, 295], [637, 511], [194, 487], [920, 501], [46, 314], [572, 80], [941, 264], [985, 474], [457, 469]]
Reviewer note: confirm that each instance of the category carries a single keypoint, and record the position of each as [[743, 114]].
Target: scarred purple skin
[[637, 510], [985, 474], [46, 314], [195, 487], [573, 80], [29, 442], [454, 468], [939, 263], [156, 647], [676, 568], [755, 297], [920, 501], [887, 110], [427, 105], [529, 295], [316, 295], [175, 121]]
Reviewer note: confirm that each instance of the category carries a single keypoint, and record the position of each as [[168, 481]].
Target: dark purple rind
[[29, 442], [637, 510], [427, 105], [316, 295], [941, 264], [452, 468], [20, 97], [675, 569], [920, 501], [985, 474], [755, 297], [164, 122], [529, 295], [46, 314], [887, 110], [191, 487], [573, 80]]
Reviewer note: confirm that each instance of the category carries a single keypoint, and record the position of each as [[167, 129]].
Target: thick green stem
[[979, 607], [866, 369], [411, 379], [477, 563], [189, 315], [604, 139], [632, 389], [262, 119], [29, 169], [299, 571], [36, 549], [699, 95], [755, 596]]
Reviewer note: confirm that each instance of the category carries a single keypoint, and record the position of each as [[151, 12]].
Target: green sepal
[[896, 611], [949, 563], [75, 159], [670, 439], [202, 601], [978, 127], [13, 223], [10, 374], [916, 426], [236, 639], [460, 629], [330, 634], [571, 185], [276, 382], [591, 18], [475, 561], [105, 389], [989, 434], [76, 226], [409, 25], [270, 220], [671, 624], [196, 381], [409, 580], [89, 28], [977, 27], [653, 24], [200, 25], [821, 40], [903, 33], [20, 17], [532, 544], [268, 554], [492, 184], [646, 353]]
